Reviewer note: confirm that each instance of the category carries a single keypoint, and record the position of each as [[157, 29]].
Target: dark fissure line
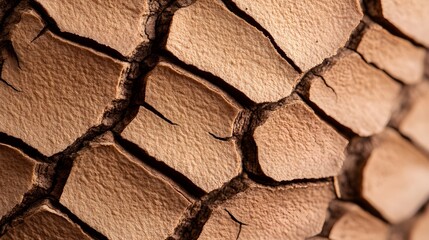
[[240, 97], [84, 41], [378, 68], [157, 113], [225, 139], [8, 10], [241, 224], [85, 227], [10, 85], [240, 13], [181, 180], [44, 29], [345, 131], [10, 50], [373, 10], [24, 147], [326, 83]]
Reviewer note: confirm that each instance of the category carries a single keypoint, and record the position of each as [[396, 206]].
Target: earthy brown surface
[[93, 19], [310, 41], [197, 109], [355, 94], [409, 16], [214, 119], [395, 177], [216, 34], [420, 230], [119, 196], [398, 57], [294, 144], [415, 123], [57, 85], [263, 211], [45, 222], [356, 224], [16, 174]]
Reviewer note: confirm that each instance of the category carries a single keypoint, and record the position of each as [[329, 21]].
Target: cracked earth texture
[[214, 119]]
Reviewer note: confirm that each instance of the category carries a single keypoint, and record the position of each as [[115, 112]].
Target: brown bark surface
[[214, 119]]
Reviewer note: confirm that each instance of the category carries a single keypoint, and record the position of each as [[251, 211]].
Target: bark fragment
[[216, 34], [197, 109], [45, 222], [65, 87], [364, 97], [293, 143], [303, 29], [398, 57], [121, 197], [296, 211]]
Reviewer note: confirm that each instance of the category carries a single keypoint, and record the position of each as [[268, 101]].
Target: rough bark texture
[[214, 119]]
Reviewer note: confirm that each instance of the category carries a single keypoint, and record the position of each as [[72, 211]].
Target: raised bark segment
[[356, 224], [198, 112], [57, 90], [415, 123], [395, 177], [355, 94], [420, 229], [398, 57], [117, 24], [303, 29], [119, 196], [17, 177], [294, 143], [409, 16], [288, 212], [45, 222], [210, 37]]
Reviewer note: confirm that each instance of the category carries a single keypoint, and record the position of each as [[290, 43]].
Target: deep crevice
[[177, 177], [195, 217], [7, 11], [24, 147], [250, 20], [84, 41], [157, 113], [343, 130], [378, 68], [31, 197], [268, 181], [373, 10], [85, 227], [357, 35], [240, 97]]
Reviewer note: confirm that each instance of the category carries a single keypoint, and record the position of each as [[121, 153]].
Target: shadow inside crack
[[157, 113], [181, 180]]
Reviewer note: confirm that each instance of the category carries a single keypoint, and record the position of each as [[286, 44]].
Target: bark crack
[[224, 139], [241, 224], [231, 6], [83, 41], [378, 68], [326, 84], [159, 114]]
